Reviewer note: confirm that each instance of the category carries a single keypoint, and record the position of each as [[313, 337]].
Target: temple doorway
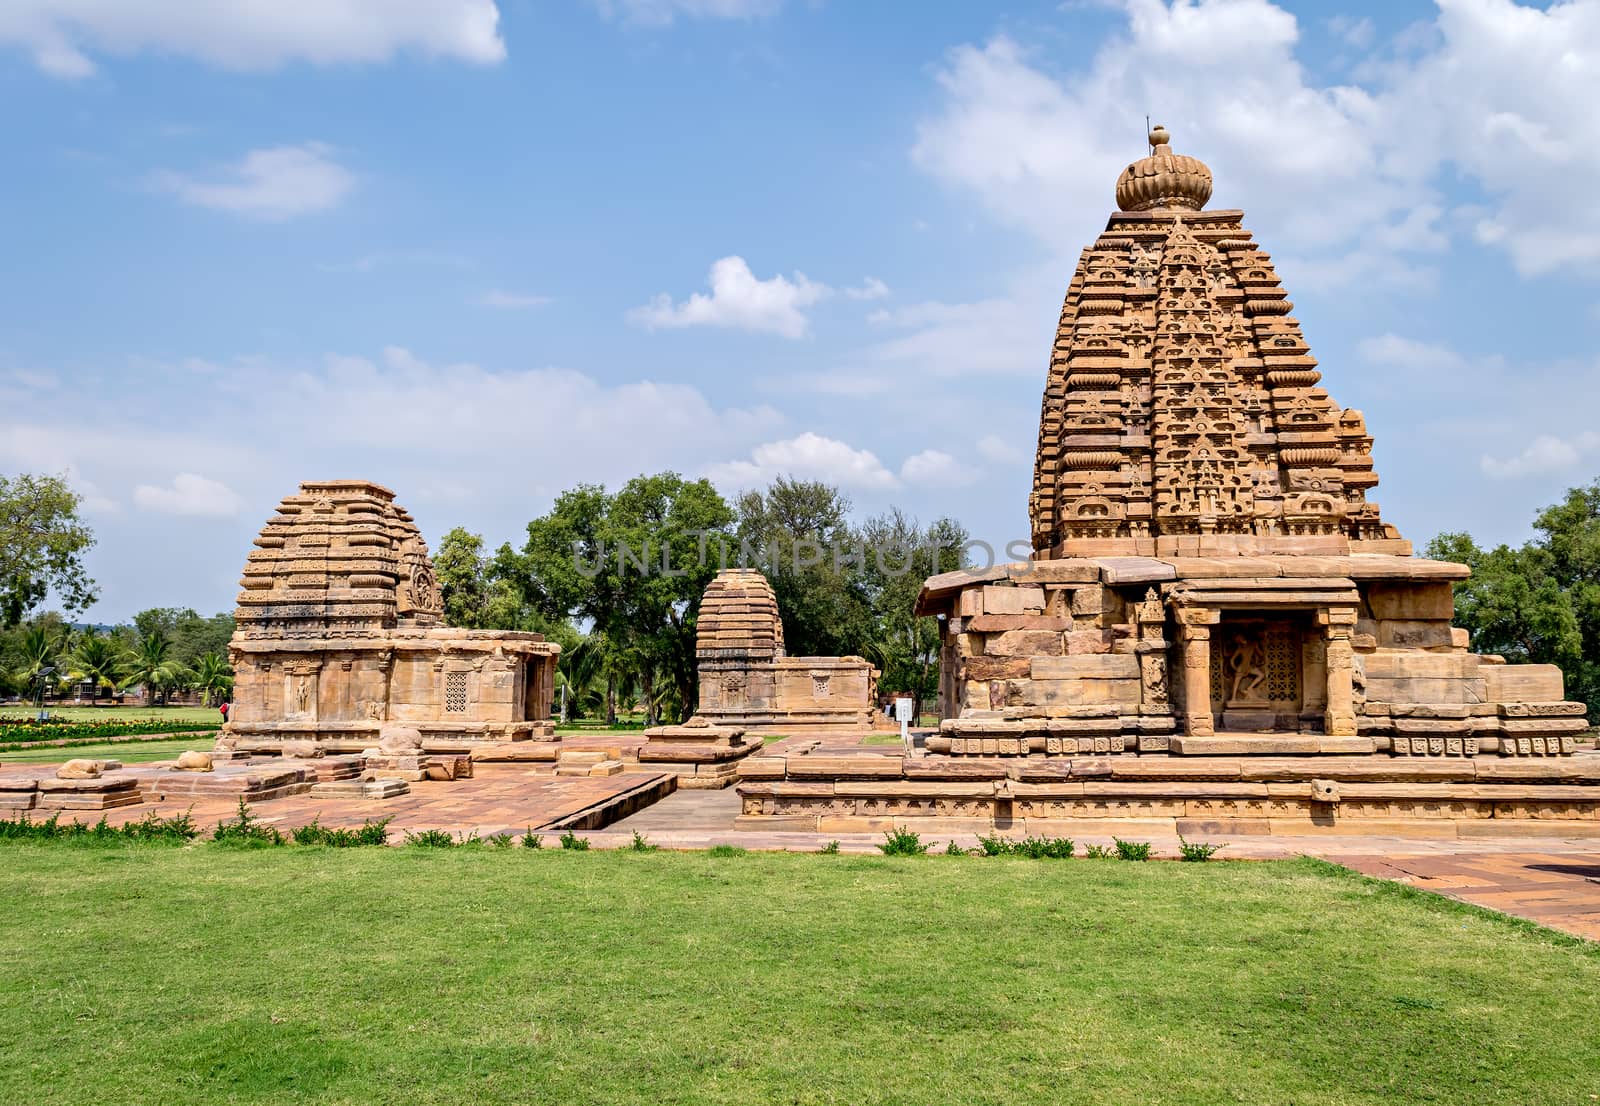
[[1258, 677]]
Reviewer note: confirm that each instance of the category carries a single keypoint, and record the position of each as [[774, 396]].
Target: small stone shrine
[[339, 633], [1216, 628], [748, 683]]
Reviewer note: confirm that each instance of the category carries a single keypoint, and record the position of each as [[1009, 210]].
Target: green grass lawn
[[203, 975], [129, 752], [114, 714]]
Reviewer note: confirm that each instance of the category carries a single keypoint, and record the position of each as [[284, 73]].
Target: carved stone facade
[[1207, 561], [339, 632], [746, 680]]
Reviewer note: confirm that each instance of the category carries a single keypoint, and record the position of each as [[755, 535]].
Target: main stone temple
[[1217, 629], [1206, 558]]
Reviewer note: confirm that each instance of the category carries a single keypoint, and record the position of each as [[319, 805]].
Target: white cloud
[[1545, 454], [992, 447], [934, 468], [809, 456], [661, 13], [740, 301], [1006, 336], [870, 289], [248, 34], [189, 494], [511, 300], [1394, 351], [271, 184], [1347, 175]]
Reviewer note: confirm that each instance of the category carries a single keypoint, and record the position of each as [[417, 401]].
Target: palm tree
[[39, 650], [96, 660], [151, 663], [212, 675]]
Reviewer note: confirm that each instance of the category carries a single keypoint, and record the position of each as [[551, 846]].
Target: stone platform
[[843, 788]]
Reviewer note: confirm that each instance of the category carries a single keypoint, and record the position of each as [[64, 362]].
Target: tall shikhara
[[1182, 415]]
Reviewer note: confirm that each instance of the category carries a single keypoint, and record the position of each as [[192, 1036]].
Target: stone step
[[360, 789], [1267, 744]]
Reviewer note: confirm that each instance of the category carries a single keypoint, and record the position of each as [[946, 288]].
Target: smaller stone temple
[[339, 632], [747, 682]]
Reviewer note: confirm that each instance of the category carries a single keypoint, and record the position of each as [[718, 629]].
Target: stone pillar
[[1340, 719], [1194, 638]]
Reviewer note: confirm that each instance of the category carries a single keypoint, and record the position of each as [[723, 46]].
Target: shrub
[[727, 850], [315, 833], [151, 829], [1197, 851], [430, 839], [1100, 852], [831, 848], [1132, 850], [1033, 848], [952, 849], [531, 840], [902, 842], [640, 845], [570, 840], [500, 840], [246, 832]]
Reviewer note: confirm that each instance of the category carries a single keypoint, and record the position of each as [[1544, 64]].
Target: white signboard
[[903, 708]]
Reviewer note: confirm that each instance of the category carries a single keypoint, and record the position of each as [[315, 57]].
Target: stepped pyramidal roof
[[1182, 414]]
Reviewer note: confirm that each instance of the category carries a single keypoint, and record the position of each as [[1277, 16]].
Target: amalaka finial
[[1164, 181]]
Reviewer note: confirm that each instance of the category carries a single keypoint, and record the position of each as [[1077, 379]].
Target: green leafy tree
[[150, 664], [214, 677], [1539, 602], [42, 543], [816, 562], [483, 593], [98, 660], [902, 554], [38, 649], [633, 565], [192, 636]]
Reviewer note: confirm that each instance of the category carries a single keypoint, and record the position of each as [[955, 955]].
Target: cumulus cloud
[[933, 468], [662, 13], [1001, 336], [810, 456], [1336, 169], [992, 447], [740, 301], [1545, 454], [273, 184], [62, 35], [189, 494]]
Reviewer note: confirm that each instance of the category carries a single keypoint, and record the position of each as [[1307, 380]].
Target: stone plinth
[[700, 753], [339, 633]]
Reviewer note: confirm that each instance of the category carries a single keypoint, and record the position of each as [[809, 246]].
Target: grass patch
[[27, 712], [882, 739], [435, 976], [129, 752]]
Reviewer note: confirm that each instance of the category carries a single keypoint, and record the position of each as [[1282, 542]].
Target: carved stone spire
[[1164, 181]]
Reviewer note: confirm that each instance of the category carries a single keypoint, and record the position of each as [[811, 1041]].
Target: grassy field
[[129, 752], [204, 975], [114, 714]]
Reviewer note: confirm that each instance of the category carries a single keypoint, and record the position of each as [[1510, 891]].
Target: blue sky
[[481, 251]]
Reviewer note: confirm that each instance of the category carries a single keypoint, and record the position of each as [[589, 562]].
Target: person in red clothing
[[224, 709]]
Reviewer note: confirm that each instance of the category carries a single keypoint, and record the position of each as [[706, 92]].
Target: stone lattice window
[[455, 692], [819, 687]]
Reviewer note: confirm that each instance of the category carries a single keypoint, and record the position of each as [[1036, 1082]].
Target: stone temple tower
[[1209, 575]]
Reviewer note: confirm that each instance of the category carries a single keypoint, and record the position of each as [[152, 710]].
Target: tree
[[40, 648], [150, 663], [482, 593], [800, 532], [96, 660], [191, 635], [42, 543], [1540, 602], [213, 677], [633, 565], [901, 556]]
